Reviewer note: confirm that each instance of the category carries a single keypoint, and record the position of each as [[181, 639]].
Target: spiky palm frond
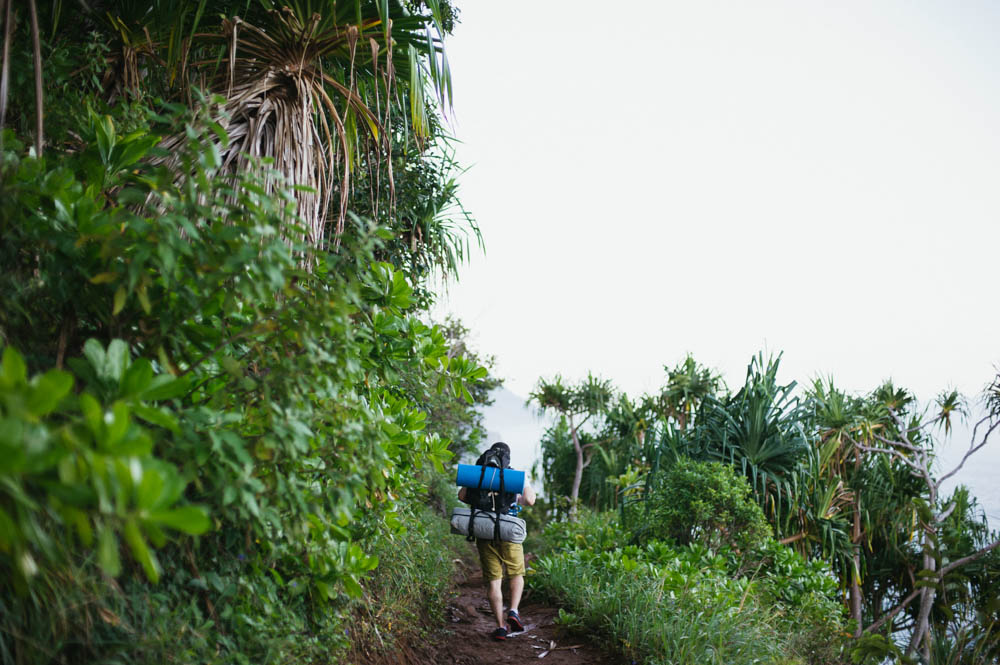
[[308, 87], [758, 430]]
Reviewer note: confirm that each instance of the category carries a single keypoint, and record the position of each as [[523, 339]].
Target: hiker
[[500, 559]]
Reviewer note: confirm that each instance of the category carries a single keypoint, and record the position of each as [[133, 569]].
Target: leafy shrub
[[72, 465], [594, 530], [663, 603], [229, 381], [701, 502]]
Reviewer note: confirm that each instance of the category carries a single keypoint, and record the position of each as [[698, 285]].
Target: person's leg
[[513, 558], [495, 596], [492, 565], [516, 589]]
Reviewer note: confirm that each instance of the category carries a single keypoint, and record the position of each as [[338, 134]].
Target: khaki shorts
[[495, 560]]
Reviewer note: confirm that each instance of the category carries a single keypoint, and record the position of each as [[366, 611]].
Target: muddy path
[[466, 639]]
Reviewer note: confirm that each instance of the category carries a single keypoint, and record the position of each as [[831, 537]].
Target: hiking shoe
[[499, 634], [514, 621]]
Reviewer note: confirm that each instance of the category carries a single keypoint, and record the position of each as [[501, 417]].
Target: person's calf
[[495, 596]]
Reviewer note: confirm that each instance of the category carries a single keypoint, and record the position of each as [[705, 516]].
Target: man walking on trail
[[498, 558]]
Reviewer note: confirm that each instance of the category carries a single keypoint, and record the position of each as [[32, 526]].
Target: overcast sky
[[656, 178]]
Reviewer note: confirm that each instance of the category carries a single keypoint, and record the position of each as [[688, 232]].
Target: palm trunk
[[37, 49], [574, 492], [855, 586], [8, 31], [921, 629]]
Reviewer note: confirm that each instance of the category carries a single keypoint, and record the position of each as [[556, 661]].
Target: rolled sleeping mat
[[512, 529], [469, 474]]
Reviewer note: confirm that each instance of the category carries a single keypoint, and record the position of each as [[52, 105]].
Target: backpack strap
[[496, 512], [472, 515]]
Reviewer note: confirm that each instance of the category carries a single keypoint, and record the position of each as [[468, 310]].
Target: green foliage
[[449, 414], [822, 467], [77, 465], [405, 596], [701, 502], [758, 430], [230, 384], [664, 604], [688, 385]]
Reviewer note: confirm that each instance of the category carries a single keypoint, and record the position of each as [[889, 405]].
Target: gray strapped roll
[[512, 529]]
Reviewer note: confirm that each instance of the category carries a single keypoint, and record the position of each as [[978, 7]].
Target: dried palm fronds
[[300, 91]]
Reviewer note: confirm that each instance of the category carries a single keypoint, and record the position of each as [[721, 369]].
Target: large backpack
[[484, 500]]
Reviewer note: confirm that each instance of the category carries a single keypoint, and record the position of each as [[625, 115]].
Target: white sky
[[653, 178]]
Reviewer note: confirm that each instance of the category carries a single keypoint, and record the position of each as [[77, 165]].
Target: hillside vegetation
[[228, 424], [798, 518], [221, 402]]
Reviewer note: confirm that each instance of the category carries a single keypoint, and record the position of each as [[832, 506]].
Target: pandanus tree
[[854, 508], [909, 443], [578, 404], [688, 385], [757, 430], [313, 88]]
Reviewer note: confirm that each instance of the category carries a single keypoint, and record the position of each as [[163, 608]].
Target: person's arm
[[461, 495], [527, 496]]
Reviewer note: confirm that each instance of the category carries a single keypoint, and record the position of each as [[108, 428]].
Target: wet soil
[[466, 638]]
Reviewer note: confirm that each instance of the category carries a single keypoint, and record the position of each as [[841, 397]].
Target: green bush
[[701, 502], [224, 381], [663, 603]]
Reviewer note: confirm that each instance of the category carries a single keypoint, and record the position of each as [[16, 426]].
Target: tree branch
[[894, 611], [8, 32], [37, 50], [940, 576], [967, 559], [973, 446], [791, 539]]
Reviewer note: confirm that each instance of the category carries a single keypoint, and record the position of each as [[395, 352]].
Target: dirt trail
[[467, 639]]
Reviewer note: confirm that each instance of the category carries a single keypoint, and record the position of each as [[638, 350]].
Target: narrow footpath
[[466, 639]]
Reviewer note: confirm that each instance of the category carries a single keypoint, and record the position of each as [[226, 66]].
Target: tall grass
[[405, 597], [656, 615], [661, 604]]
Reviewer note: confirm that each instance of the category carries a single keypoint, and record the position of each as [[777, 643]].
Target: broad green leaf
[[104, 128], [117, 421], [352, 587], [324, 589], [189, 519], [120, 296], [148, 493], [143, 296], [165, 386], [157, 416], [14, 370], [117, 361], [134, 148], [104, 278], [155, 533], [93, 351], [48, 390], [107, 551], [232, 366], [141, 551], [92, 412], [137, 378], [8, 530]]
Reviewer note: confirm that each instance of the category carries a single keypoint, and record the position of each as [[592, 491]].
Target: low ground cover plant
[[698, 601]]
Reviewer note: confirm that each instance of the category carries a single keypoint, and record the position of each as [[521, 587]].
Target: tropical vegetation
[[849, 482], [227, 421], [222, 402]]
